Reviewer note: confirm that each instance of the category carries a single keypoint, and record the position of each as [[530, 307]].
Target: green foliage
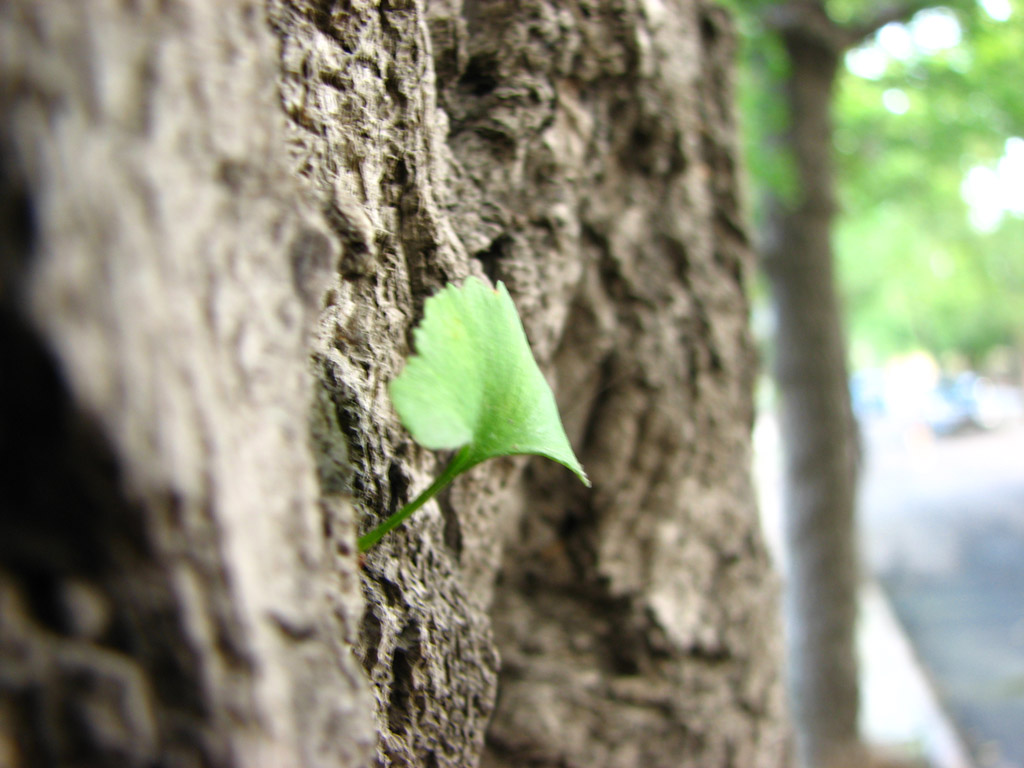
[[763, 116], [913, 271], [474, 386]]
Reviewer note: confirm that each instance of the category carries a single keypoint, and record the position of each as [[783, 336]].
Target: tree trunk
[[819, 432], [817, 427], [221, 221]]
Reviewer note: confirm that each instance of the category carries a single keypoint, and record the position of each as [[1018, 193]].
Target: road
[[942, 527]]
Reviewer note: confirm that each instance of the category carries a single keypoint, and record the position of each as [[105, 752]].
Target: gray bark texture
[[220, 223]]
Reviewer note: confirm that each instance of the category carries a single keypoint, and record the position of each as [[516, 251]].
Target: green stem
[[457, 465]]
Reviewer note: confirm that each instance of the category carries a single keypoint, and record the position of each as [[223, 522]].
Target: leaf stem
[[456, 466]]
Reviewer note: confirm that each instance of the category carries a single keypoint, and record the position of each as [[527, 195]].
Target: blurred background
[[927, 145], [941, 607]]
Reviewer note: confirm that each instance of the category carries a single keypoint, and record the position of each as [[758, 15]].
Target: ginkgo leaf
[[473, 385], [474, 382]]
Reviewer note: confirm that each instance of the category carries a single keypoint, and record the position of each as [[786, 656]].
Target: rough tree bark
[[221, 221], [819, 433]]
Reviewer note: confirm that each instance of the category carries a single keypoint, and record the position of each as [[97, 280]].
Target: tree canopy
[[929, 240], [930, 157]]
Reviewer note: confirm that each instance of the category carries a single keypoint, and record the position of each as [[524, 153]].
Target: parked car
[[969, 401]]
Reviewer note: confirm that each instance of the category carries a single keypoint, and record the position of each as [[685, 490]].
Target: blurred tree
[[799, 47], [816, 420]]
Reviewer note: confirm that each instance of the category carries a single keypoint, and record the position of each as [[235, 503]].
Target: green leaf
[[474, 382], [474, 385]]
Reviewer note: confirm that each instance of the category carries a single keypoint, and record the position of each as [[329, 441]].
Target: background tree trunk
[[201, 198], [817, 427], [819, 433]]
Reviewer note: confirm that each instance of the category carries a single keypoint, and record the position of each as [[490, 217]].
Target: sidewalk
[[942, 526], [901, 713]]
